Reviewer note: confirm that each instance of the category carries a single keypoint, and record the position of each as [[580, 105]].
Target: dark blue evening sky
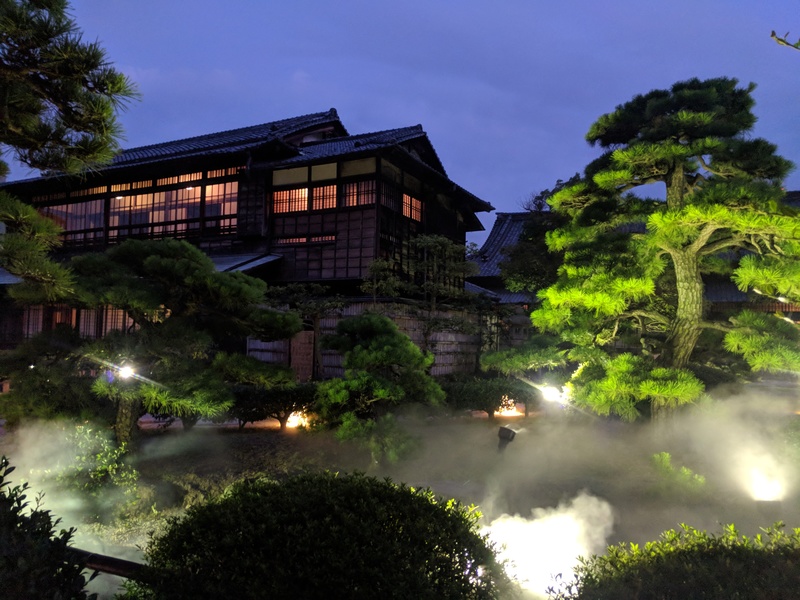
[[505, 89]]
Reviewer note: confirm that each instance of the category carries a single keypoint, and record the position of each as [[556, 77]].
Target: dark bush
[[35, 562], [255, 403], [489, 394], [693, 564], [323, 536]]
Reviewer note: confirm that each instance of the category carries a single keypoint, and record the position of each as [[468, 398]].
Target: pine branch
[[717, 325], [782, 41], [646, 314], [731, 242]]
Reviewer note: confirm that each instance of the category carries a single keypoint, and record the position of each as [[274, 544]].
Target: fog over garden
[[616, 418]]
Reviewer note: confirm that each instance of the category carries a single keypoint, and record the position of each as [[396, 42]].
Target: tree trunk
[[676, 186], [127, 416], [685, 329]]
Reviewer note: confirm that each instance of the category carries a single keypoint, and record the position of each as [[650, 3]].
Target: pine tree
[[59, 99], [634, 267], [184, 312], [60, 95]]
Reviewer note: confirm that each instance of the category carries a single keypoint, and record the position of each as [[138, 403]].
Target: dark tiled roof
[[476, 289], [354, 143], [505, 233], [225, 141], [792, 198]]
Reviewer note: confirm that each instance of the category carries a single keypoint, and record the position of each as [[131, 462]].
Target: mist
[[571, 484], [568, 485]]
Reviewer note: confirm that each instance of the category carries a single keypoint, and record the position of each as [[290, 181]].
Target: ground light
[[506, 435], [553, 394], [297, 419]]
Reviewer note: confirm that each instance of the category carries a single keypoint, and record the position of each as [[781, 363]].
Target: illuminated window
[[80, 220], [359, 193], [293, 240], [322, 238], [323, 197], [412, 208], [221, 201], [295, 200]]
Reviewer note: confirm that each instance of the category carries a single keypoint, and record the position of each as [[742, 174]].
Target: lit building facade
[[295, 200]]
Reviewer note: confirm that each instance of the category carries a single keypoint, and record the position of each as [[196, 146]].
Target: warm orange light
[[297, 419], [508, 408]]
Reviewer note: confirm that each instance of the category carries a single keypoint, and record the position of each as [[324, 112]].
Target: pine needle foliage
[[632, 280]]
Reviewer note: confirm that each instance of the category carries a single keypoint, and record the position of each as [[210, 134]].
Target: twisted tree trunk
[[685, 329]]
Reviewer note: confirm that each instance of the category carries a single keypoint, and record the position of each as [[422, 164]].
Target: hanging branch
[[784, 42]]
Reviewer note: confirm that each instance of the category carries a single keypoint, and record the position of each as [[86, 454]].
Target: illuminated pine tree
[[633, 267]]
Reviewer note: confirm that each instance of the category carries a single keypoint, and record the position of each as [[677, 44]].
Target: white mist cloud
[[547, 544]]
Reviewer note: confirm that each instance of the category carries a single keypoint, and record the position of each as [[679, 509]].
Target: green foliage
[[59, 104], [538, 352], [322, 536], [784, 40], [617, 386], [680, 482], [185, 312], [98, 465], [24, 249], [385, 439], [528, 265], [159, 280], [383, 369], [633, 267], [35, 561], [767, 342], [382, 280], [384, 364], [51, 379], [437, 269], [255, 403], [61, 95], [691, 563]]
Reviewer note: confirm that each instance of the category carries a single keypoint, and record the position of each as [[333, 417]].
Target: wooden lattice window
[[294, 200], [412, 208], [323, 197], [359, 193]]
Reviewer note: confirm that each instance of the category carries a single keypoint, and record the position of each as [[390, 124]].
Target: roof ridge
[[271, 124], [415, 128]]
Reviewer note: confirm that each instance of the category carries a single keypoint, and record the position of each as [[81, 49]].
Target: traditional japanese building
[[295, 200]]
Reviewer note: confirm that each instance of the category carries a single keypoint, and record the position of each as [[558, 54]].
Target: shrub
[[255, 403], [489, 394], [35, 562], [98, 472], [692, 564], [323, 536], [678, 481]]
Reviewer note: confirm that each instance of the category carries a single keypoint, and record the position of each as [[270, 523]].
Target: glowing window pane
[[412, 208], [323, 197], [295, 200]]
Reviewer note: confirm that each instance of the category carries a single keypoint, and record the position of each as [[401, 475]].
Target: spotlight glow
[[553, 394], [297, 419], [548, 544], [765, 487], [126, 372]]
